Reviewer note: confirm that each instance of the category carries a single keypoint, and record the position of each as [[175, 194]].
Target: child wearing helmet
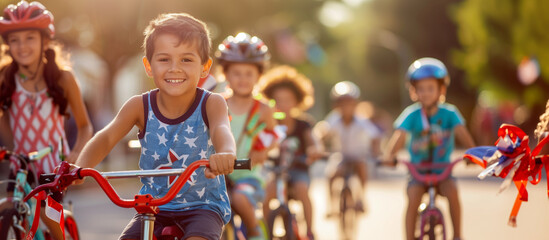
[[292, 93], [431, 125], [243, 59], [355, 139], [36, 91]]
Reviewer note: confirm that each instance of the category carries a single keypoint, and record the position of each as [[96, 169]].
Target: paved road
[[484, 212]]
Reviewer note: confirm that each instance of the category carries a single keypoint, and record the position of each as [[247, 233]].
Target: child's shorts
[[251, 188], [299, 175], [412, 181], [197, 223]]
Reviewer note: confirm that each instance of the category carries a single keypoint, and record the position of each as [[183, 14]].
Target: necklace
[[34, 97]]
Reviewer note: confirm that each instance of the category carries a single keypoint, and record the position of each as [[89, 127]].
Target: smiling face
[[175, 66], [242, 77], [25, 46]]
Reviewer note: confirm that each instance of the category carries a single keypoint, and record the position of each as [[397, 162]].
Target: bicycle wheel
[[347, 213], [7, 229], [280, 224], [433, 226]]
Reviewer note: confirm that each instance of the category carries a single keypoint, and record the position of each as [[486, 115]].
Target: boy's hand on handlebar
[[220, 164], [77, 181]]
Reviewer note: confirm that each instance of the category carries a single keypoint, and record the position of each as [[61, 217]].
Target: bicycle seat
[[171, 231]]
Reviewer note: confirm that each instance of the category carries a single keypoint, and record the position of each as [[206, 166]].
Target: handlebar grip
[[46, 178], [243, 164]]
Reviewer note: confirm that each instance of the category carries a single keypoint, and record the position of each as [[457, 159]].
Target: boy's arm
[[83, 124], [131, 114], [463, 136], [394, 145], [222, 162]]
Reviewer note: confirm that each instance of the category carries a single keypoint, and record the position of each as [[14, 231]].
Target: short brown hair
[[288, 77], [187, 28]]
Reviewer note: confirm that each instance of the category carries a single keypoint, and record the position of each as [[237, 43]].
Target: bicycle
[[282, 213], [348, 207], [431, 220], [145, 205], [16, 220]]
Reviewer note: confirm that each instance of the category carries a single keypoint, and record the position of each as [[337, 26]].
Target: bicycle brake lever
[[62, 179]]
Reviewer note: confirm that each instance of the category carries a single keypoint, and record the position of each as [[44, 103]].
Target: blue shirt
[[176, 143], [439, 128]]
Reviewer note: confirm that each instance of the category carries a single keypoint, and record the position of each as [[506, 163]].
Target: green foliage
[[495, 36]]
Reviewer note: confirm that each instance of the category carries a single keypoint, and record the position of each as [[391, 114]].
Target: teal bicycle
[[16, 215]]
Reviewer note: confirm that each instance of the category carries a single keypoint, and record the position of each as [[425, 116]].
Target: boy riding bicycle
[[431, 124], [178, 124], [356, 138]]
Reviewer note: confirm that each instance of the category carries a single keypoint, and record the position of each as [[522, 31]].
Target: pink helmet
[[26, 15]]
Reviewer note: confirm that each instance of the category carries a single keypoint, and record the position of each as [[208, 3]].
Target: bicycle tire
[[284, 213], [12, 232], [431, 226], [347, 213]]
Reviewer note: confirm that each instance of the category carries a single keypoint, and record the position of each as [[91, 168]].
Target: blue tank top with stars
[[176, 143]]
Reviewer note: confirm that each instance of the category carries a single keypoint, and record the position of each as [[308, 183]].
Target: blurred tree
[[496, 36]]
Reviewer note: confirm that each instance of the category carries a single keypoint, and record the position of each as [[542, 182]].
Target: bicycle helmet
[[26, 15], [428, 68], [344, 89], [243, 49]]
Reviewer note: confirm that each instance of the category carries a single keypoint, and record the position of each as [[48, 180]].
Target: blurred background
[[497, 53], [496, 50]]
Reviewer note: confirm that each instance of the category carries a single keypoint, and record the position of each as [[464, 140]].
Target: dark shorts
[[194, 223], [299, 175]]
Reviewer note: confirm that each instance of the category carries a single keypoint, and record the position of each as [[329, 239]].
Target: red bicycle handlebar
[[430, 178], [142, 203]]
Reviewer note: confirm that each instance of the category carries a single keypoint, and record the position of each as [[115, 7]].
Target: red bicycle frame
[[143, 204], [431, 180]]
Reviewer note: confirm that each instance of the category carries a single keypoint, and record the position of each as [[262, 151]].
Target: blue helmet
[[427, 68]]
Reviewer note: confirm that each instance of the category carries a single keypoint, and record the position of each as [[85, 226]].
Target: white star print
[[201, 192], [163, 125], [162, 139], [207, 201], [203, 154], [145, 137], [151, 115], [156, 156], [143, 150], [222, 198], [184, 200], [210, 142], [189, 129], [225, 212], [176, 138], [190, 141]]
